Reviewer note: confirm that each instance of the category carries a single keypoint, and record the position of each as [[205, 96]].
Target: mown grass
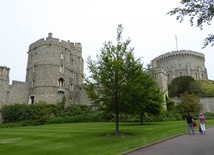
[[85, 138]]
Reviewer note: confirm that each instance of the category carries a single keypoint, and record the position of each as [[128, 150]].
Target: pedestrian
[[189, 120], [202, 121]]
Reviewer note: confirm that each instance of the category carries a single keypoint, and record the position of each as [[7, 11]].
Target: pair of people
[[202, 121]]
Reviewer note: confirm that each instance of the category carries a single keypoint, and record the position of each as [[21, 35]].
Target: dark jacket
[[189, 119]]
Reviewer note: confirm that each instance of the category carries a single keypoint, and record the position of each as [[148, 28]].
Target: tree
[[115, 82], [199, 11], [181, 84], [207, 89], [189, 103], [146, 97]]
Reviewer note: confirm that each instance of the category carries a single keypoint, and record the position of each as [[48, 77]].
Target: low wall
[[207, 103]]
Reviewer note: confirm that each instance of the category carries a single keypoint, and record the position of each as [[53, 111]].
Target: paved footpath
[[182, 145]]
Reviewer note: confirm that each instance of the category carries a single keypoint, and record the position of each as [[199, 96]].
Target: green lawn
[[85, 138]]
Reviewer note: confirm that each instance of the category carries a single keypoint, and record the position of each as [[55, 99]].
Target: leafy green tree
[[145, 96], [116, 79], [181, 84], [189, 103], [207, 89], [199, 11]]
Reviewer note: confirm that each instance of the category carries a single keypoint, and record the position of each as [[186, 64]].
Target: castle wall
[[207, 103], [162, 83], [17, 93], [182, 63], [83, 96]]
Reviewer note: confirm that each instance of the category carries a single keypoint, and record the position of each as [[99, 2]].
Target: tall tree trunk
[[117, 120], [141, 118]]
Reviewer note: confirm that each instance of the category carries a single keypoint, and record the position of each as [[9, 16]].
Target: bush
[[77, 109], [41, 112], [16, 113], [209, 115]]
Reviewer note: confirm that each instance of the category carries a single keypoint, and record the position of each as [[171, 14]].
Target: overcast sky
[[92, 22]]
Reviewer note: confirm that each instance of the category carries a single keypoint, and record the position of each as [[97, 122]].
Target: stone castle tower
[[182, 63], [54, 69], [178, 63]]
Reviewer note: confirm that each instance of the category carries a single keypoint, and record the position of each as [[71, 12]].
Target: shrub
[[77, 109], [209, 115], [41, 112], [16, 113]]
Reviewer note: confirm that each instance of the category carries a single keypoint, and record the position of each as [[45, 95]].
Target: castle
[[54, 69], [182, 63]]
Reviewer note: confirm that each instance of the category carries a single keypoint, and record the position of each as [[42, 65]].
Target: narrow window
[[33, 82], [71, 88], [72, 74], [61, 68], [71, 100], [168, 77], [61, 82], [62, 56], [31, 99], [34, 67]]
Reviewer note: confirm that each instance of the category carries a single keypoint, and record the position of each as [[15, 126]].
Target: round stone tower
[[54, 70], [182, 63]]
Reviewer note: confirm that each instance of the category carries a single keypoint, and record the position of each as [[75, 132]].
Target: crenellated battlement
[[57, 42], [182, 63], [181, 53], [4, 72]]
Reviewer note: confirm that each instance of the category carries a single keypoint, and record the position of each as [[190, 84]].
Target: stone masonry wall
[[18, 92], [207, 103]]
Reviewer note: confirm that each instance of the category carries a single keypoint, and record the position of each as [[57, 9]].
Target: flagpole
[[176, 42]]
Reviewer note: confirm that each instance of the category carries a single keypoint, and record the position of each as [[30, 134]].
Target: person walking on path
[[189, 120], [202, 121]]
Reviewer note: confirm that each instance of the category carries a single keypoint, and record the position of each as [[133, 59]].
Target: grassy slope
[[84, 138]]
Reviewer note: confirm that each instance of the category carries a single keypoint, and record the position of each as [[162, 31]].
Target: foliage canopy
[[183, 84], [189, 103], [200, 12], [206, 89], [117, 81]]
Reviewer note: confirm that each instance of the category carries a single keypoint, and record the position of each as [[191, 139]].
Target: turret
[[54, 70], [4, 84]]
